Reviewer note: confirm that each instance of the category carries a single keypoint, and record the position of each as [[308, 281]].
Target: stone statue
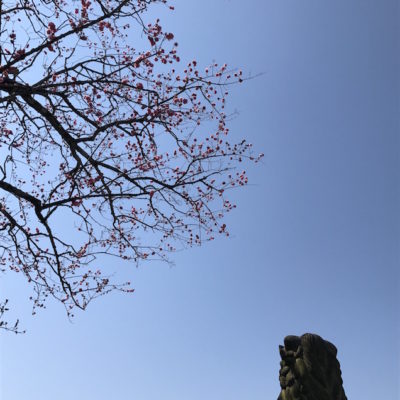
[[309, 369]]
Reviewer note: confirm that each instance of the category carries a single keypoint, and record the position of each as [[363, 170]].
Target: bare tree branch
[[124, 142]]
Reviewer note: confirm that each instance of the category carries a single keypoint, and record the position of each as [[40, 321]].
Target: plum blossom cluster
[[124, 141]]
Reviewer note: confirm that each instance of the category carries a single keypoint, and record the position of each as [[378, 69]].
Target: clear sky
[[315, 237]]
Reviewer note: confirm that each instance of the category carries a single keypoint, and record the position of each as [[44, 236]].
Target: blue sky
[[315, 237]]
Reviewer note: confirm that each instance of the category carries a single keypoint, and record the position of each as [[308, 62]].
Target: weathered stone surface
[[309, 369]]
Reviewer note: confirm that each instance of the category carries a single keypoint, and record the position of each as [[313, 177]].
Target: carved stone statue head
[[309, 369]]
